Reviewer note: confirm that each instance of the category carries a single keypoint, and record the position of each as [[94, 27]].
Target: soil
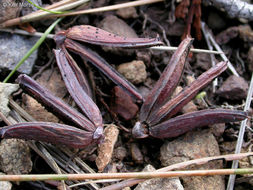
[[127, 154]]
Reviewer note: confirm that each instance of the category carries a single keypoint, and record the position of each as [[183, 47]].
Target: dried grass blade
[[200, 161], [239, 143]]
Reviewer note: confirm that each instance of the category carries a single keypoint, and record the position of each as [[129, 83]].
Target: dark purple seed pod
[[103, 66], [53, 103], [168, 81], [97, 36], [184, 123], [84, 102], [54, 133], [176, 104]]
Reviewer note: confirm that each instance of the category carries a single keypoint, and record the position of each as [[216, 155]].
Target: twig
[[169, 48], [2, 116], [94, 181], [48, 153], [231, 180], [39, 149], [46, 15], [146, 17], [23, 32], [234, 8], [54, 5], [160, 48], [111, 7], [210, 47], [217, 47], [40, 15], [200, 161], [140, 175], [20, 110]]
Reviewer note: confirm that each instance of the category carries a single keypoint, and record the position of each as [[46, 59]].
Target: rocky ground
[[120, 152]]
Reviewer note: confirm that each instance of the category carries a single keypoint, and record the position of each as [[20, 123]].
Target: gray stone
[[28, 8], [129, 12], [159, 183], [5, 185], [134, 71], [6, 89], [234, 88], [117, 26], [15, 157], [12, 50], [194, 145]]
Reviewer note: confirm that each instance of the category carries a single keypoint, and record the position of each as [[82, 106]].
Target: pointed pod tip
[[189, 37], [20, 77], [2, 132], [56, 51], [98, 133], [60, 37], [158, 40], [140, 130]]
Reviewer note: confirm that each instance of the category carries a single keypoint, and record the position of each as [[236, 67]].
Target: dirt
[[124, 153]]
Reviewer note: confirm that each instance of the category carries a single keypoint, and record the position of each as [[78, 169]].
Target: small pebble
[[6, 89], [5, 185], [19, 46], [105, 149], [15, 157], [159, 183], [118, 26], [246, 33], [136, 153], [8, 12], [134, 71], [120, 153], [129, 12], [122, 104], [194, 145], [234, 88]]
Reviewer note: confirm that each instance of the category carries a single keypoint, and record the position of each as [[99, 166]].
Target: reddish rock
[[234, 88], [227, 35], [136, 153], [129, 12], [122, 104], [105, 149], [203, 61]]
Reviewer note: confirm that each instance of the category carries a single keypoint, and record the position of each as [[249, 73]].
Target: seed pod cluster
[[156, 114]]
